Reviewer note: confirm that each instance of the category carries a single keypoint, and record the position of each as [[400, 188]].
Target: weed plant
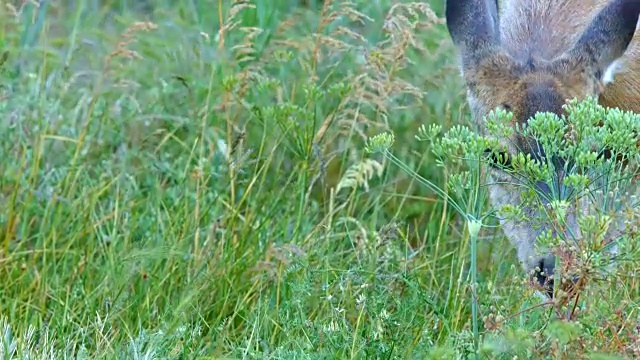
[[582, 195]]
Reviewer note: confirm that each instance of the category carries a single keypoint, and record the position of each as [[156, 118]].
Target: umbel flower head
[[575, 191]]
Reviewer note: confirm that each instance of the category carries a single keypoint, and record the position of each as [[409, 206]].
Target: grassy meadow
[[188, 180]]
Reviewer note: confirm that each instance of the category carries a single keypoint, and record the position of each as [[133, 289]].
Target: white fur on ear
[[611, 71]]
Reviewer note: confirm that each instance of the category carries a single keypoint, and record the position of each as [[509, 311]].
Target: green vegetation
[[190, 180]]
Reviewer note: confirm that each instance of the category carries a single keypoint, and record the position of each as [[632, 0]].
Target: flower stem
[[474, 226]]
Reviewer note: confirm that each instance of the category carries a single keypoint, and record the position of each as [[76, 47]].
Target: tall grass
[[189, 180]]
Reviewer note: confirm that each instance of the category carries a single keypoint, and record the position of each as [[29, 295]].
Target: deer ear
[[474, 28], [607, 37]]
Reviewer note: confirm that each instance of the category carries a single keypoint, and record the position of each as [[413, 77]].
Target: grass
[[188, 180]]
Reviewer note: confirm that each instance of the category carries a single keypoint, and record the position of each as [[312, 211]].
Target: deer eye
[[506, 106], [498, 159]]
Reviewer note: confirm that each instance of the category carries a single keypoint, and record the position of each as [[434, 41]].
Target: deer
[[529, 56]]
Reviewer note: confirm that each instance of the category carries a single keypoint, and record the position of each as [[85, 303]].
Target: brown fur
[[624, 92], [545, 29], [542, 53]]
